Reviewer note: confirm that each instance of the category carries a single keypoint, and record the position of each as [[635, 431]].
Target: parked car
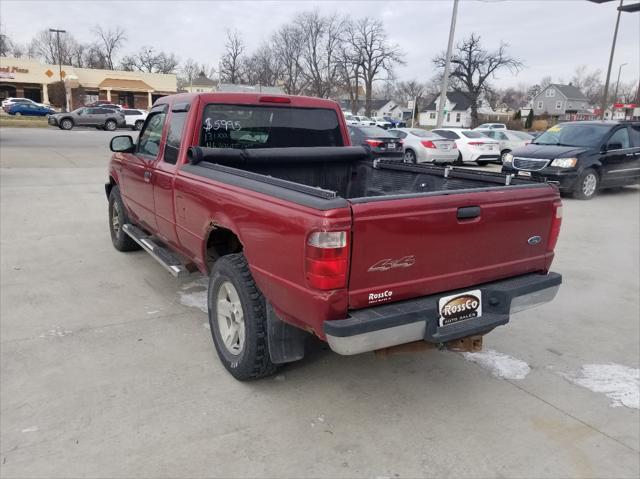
[[134, 118], [581, 156], [104, 103], [381, 122], [8, 102], [363, 120], [350, 119], [472, 145], [421, 146], [395, 123], [491, 126], [508, 139], [380, 143], [298, 240], [29, 109], [99, 117]]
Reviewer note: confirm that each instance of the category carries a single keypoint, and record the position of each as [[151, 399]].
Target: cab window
[[174, 136], [149, 142]]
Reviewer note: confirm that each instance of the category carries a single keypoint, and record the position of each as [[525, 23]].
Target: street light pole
[[64, 88], [613, 49], [615, 95], [447, 66]]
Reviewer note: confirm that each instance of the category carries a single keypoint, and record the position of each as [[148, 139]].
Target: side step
[[162, 255]]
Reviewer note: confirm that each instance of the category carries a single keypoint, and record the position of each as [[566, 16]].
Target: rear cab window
[[257, 126]]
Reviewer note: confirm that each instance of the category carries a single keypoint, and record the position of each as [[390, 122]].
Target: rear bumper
[[417, 319]]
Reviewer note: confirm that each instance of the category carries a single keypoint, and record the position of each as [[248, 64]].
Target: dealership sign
[[625, 106], [10, 70]]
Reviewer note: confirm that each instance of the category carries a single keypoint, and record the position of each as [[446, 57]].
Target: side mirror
[[614, 146], [122, 144]]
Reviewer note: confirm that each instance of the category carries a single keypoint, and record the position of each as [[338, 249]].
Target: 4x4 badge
[[389, 263]]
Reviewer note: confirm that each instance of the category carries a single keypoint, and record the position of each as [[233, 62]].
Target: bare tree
[[545, 82], [44, 46], [589, 82], [6, 45], [232, 60], [287, 44], [408, 90], [473, 67], [627, 91], [188, 72], [108, 43], [263, 68], [147, 60], [350, 69], [321, 38], [377, 56]]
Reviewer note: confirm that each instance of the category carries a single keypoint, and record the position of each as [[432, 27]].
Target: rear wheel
[[587, 185], [459, 160], [110, 125], [482, 163], [18, 113], [66, 124], [238, 319], [410, 156], [138, 125], [503, 154]]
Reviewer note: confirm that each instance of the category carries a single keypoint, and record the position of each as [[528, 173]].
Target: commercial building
[[30, 78]]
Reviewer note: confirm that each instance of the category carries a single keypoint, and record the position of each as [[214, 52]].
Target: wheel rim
[[110, 126], [66, 124], [408, 156], [589, 184], [230, 318], [115, 220]]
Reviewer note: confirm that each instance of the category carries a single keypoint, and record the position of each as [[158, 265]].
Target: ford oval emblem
[[534, 240]]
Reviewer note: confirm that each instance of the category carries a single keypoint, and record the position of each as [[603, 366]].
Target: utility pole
[[447, 66], [64, 88], [615, 95], [605, 100]]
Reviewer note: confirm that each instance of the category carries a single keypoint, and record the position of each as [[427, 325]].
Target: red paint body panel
[[182, 208]]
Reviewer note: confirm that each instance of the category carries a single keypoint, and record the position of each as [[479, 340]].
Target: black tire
[[482, 163], [66, 123], [121, 240], [253, 361], [138, 125], [459, 161], [410, 157], [587, 185], [110, 125]]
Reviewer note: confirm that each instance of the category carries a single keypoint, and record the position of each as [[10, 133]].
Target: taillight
[[475, 143], [274, 99], [375, 143], [428, 144], [555, 226], [326, 259]]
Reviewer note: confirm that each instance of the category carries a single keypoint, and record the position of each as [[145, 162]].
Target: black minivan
[[581, 156]]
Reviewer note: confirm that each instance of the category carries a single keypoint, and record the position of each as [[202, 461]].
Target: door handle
[[468, 212], [147, 176]]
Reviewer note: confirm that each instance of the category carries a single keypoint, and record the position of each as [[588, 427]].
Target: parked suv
[[581, 156], [100, 117], [134, 118]]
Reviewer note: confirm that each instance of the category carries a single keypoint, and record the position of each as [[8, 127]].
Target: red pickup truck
[[302, 233]]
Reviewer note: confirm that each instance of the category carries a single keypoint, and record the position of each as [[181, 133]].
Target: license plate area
[[524, 173], [459, 307]]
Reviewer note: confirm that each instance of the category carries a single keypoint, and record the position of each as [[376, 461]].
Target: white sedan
[[509, 140], [472, 145], [421, 146]]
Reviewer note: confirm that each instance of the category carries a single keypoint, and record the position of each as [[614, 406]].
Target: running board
[[162, 255]]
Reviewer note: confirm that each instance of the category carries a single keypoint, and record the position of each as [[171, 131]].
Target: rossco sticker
[[459, 307], [379, 297]]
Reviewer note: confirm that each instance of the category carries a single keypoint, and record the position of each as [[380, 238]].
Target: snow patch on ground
[[58, 332], [619, 383], [194, 294], [500, 365]]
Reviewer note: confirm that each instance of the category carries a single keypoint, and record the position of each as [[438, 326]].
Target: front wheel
[[138, 125], [587, 185], [117, 219], [66, 124], [410, 157], [238, 319], [482, 163]]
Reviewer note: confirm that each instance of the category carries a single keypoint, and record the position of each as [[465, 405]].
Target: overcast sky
[[552, 37]]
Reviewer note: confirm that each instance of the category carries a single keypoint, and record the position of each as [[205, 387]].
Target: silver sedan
[[421, 146]]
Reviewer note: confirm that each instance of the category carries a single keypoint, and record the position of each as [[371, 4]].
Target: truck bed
[[349, 173]]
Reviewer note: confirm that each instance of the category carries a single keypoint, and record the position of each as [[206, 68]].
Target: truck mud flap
[[286, 342]]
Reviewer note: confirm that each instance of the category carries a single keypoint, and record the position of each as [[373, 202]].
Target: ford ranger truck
[[301, 233]]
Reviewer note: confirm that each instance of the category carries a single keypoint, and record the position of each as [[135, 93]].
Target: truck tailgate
[[410, 247]]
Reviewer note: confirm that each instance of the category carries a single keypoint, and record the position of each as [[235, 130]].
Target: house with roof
[[201, 84], [377, 107], [563, 103], [457, 111]]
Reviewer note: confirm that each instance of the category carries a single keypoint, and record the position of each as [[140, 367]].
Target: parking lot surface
[[108, 368]]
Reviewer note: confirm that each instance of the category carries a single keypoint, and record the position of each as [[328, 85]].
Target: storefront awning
[[124, 85]]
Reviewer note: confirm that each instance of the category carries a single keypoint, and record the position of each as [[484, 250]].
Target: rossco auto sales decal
[[459, 307], [380, 297]]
